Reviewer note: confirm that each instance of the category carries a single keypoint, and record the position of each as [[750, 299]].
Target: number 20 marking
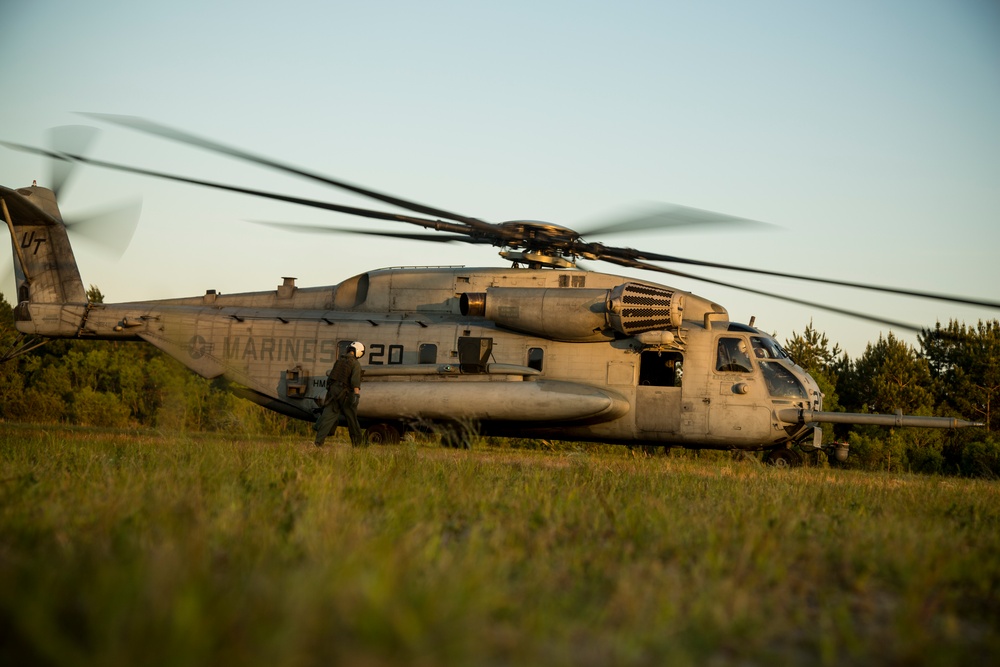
[[375, 358]]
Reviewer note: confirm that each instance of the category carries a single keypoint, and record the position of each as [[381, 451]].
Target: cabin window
[[781, 382], [474, 353], [535, 357], [661, 369], [766, 348], [733, 356], [428, 353]]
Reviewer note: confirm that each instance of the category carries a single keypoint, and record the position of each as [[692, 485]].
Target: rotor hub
[[538, 260], [537, 234]]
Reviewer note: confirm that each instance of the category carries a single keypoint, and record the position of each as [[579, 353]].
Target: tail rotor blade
[[72, 140], [111, 228]]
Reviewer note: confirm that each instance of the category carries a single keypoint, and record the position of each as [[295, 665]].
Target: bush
[[928, 459], [35, 407], [878, 449], [98, 408], [981, 458]]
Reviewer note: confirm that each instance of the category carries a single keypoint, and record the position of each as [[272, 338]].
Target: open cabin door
[[658, 393]]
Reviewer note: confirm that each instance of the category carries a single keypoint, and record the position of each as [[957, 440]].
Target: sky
[[866, 132]]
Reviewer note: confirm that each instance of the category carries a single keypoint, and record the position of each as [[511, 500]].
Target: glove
[[355, 400]]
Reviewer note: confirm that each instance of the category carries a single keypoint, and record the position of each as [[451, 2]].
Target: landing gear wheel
[[783, 458], [382, 434]]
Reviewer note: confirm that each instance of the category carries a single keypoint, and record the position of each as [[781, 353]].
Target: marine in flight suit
[[343, 392]]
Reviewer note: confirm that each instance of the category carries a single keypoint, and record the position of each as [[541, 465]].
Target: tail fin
[[51, 299]]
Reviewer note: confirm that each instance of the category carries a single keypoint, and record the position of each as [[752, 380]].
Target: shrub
[[981, 458], [98, 408]]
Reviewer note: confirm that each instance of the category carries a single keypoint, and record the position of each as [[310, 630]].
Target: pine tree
[[965, 364], [811, 350], [890, 376]]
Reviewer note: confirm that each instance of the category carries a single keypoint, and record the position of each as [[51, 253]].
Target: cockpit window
[[781, 382], [733, 356], [767, 348]]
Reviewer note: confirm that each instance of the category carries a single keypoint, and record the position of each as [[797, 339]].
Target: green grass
[[133, 548]]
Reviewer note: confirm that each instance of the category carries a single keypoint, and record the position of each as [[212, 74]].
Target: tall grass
[[124, 549]]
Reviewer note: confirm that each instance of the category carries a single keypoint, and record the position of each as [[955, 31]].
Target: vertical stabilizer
[[44, 264], [51, 300]]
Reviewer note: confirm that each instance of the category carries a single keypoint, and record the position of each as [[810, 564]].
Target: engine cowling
[[635, 308], [578, 314]]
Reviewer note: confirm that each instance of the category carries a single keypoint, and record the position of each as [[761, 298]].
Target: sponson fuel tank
[[578, 314], [540, 401]]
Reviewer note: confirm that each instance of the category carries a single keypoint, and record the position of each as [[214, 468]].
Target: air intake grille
[[635, 308]]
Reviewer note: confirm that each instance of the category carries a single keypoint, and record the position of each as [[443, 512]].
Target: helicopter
[[539, 349]]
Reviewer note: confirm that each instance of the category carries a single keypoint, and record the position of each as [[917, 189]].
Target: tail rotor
[[109, 229]]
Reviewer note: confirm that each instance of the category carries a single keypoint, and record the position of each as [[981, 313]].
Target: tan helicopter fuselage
[[544, 361]]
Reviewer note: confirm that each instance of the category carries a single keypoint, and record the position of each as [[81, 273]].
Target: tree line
[[954, 372], [121, 385]]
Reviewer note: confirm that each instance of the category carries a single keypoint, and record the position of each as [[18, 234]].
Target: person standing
[[343, 392]]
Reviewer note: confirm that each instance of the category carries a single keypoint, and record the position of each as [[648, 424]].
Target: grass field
[[126, 549]]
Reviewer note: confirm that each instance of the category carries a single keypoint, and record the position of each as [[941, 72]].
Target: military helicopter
[[541, 349]]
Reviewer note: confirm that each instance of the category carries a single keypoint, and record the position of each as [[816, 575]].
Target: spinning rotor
[[535, 244]]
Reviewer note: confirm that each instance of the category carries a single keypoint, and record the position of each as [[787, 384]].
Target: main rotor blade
[[672, 217], [833, 309], [320, 229], [150, 127], [629, 253], [483, 232], [328, 206]]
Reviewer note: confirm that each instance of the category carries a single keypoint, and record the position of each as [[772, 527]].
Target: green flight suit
[[341, 399]]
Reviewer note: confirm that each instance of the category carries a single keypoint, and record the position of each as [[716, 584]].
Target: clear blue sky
[[868, 131]]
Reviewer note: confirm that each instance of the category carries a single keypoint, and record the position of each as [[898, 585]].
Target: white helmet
[[358, 348]]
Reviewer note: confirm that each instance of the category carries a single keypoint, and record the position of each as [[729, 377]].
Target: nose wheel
[[382, 434], [783, 458]]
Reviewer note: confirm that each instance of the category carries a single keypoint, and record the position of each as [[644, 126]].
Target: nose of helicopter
[[812, 390]]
